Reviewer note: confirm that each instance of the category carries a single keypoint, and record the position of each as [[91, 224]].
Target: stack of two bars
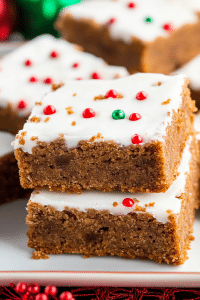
[[128, 159]]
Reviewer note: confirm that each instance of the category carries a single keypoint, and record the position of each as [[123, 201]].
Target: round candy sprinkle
[[48, 80], [66, 296], [131, 5], [128, 202], [28, 63], [33, 289], [21, 104], [21, 288], [118, 114], [41, 296], [51, 290], [141, 96], [49, 110], [111, 21], [136, 139], [88, 113], [134, 117], [75, 65], [33, 79], [95, 75], [168, 27], [54, 54], [111, 94], [148, 20]]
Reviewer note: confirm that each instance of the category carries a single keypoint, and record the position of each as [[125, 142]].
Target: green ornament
[[118, 114], [149, 20], [38, 16]]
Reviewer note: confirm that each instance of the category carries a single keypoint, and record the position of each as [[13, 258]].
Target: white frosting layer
[[197, 125], [104, 201], [155, 116], [14, 75], [5, 143], [131, 22], [192, 71]]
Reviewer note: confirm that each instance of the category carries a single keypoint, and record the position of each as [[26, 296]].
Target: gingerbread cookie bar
[[10, 188], [146, 226], [126, 134], [28, 73], [155, 38]]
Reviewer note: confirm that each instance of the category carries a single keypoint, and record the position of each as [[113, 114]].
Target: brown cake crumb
[[38, 103], [115, 204], [39, 255], [56, 86], [139, 208], [169, 211], [100, 97], [166, 102], [73, 123], [120, 95], [17, 136], [96, 137], [117, 76], [47, 119], [21, 141], [74, 94], [61, 135], [79, 48], [24, 133], [70, 111], [33, 138], [151, 204], [34, 119]]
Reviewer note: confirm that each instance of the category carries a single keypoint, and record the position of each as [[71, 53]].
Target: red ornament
[[111, 94], [33, 79], [21, 104], [48, 80], [21, 288], [168, 27], [41, 296], [28, 63], [33, 289], [131, 5], [111, 21], [141, 96], [75, 65], [88, 113], [134, 117], [49, 110], [27, 296], [136, 139], [51, 290], [54, 54], [66, 296], [95, 75], [128, 202]]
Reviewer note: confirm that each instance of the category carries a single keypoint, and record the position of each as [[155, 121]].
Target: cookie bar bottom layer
[[55, 228]]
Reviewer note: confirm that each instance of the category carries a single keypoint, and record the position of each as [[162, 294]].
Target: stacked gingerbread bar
[[120, 159]]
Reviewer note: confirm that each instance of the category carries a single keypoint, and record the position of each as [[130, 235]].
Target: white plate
[[16, 263]]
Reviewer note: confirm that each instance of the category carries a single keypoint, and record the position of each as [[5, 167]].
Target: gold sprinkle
[[100, 97], [157, 84], [47, 119], [117, 76], [69, 107], [56, 86], [38, 103], [73, 123], [151, 204], [61, 135], [70, 111], [34, 138], [120, 95], [168, 113], [79, 48], [166, 102], [139, 208], [96, 137], [169, 211], [74, 94], [34, 119], [21, 140], [24, 133], [115, 204]]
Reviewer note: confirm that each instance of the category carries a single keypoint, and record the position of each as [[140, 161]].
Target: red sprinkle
[[88, 113], [54, 54], [21, 104], [134, 117], [136, 139], [168, 27], [75, 65], [48, 80], [131, 5], [33, 79], [79, 78], [49, 110], [128, 202], [95, 75], [141, 96], [111, 21], [28, 63], [111, 94]]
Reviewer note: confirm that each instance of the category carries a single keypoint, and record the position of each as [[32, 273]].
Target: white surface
[[104, 201], [16, 75], [130, 22], [16, 256], [155, 116]]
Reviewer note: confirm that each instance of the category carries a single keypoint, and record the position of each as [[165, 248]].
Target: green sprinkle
[[118, 114], [149, 20]]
